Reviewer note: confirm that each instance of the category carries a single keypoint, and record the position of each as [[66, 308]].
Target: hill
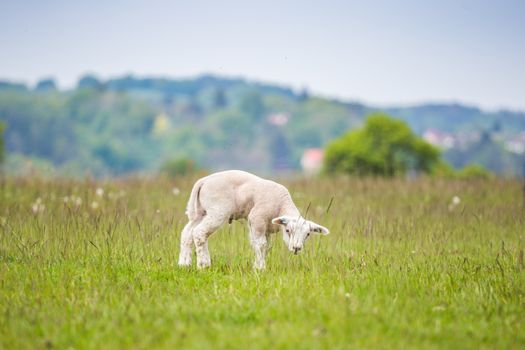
[[130, 124]]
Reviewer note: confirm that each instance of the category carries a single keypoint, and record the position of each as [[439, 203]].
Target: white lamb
[[232, 195]]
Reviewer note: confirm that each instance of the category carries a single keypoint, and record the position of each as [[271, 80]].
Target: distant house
[[278, 119], [439, 138], [464, 139], [516, 144], [312, 160]]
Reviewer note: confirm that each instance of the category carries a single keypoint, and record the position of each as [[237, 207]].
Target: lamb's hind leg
[[208, 225], [186, 244], [259, 241]]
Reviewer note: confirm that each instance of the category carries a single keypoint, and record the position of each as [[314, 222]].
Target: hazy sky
[[382, 52]]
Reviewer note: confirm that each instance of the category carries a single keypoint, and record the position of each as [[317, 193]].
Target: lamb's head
[[296, 230]]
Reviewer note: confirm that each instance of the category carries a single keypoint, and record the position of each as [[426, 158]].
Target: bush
[[179, 167], [384, 146], [473, 171], [443, 169]]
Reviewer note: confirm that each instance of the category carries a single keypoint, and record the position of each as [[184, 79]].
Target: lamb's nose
[[296, 250]]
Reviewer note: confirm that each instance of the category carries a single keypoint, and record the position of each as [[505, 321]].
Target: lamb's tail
[[194, 210]]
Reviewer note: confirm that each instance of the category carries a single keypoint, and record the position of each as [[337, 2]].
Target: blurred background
[[377, 87]]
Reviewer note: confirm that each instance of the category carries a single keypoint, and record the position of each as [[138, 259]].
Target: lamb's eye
[[287, 231]]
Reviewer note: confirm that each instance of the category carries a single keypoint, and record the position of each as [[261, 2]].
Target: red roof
[[315, 154]]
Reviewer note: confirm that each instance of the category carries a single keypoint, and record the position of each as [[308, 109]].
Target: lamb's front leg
[[259, 241]]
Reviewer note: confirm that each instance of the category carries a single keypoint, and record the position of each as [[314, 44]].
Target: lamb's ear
[[281, 220], [318, 228]]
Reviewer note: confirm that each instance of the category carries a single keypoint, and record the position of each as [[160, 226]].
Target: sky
[[381, 52]]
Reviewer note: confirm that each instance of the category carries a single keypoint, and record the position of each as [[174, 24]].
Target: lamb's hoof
[[259, 267], [203, 264], [185, 262]]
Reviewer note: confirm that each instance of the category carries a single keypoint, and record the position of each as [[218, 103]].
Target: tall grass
[[88, 264]]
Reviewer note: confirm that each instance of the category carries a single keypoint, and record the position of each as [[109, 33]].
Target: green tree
[[384, 146], [219, 98], [279, 148], [89, 82], [252, 105], [46, 85]]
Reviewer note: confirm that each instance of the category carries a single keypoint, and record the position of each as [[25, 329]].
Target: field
[[86, 264]]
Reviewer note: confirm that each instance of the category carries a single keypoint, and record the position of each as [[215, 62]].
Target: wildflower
[[38, 207], [175, 191], [65, 199], [157, 211], [100, 191], [455, 201], [78, 201], [94, 205]]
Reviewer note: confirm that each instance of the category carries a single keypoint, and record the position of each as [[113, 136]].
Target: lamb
[[234, 195]]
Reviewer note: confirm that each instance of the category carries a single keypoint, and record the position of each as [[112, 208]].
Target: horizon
[[380, 53], [62, 88]]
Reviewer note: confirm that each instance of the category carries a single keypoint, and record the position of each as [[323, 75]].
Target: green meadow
[[88, 264]]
